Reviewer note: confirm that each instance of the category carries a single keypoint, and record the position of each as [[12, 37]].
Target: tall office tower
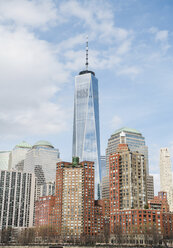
[[18, 154], [4, 160], [41, 160], [135, 141], [150, 187], [127, 176], [74, 203], [166, 175], [103, 166], [86, 133], [17, 195]]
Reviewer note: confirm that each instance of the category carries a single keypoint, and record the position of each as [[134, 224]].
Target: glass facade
[[4, 160], [86, 133], [17, 196]]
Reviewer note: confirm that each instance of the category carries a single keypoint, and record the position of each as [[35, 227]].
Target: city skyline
[[130, 51]]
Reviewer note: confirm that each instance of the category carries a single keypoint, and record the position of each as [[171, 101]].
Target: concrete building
[[86, 131], [17, 195], [127, 176], [41, 160], [150, 187], [18, 154], [136, 143], [74, 204], [166, 184], [4, 160]]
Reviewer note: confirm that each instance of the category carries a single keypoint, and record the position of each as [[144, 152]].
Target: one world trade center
[[86, 131]]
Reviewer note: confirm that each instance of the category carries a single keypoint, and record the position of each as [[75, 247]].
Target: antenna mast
[[86, 54]]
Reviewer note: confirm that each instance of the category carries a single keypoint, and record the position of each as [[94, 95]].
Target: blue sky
[[43, 48]]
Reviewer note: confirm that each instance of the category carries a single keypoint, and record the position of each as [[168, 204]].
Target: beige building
[[127, 179], [166, 175], [150, 187]]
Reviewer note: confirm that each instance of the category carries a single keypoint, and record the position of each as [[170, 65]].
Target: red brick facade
[[159, 202], [43, 211]]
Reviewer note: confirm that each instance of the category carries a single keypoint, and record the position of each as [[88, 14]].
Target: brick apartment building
[[74, 203], [44, 209], [159, 202]]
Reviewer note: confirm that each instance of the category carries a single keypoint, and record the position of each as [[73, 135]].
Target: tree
[[118, 234], [6, 235]]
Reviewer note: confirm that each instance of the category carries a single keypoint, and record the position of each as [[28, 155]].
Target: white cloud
[[129, 70], [162, 35], [36, 13], [116, 122], [30, 76]]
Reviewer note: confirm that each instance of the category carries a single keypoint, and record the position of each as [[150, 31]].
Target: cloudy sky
[[42, 48]]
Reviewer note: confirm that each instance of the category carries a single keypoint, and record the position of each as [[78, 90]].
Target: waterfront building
[[142, 222], [86, 132], [136, 143], [4, 160], [166, 175], [74, 203], [159, 202], [44, 211], [127, 176], [17, 195], [18, 154], [41, 160]]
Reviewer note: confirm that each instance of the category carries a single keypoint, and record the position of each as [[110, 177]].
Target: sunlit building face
[[86, 134]]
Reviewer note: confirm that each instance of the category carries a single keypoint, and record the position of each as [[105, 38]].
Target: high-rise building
[[165, 170], [18, 154], [135, 142], [86, 133], [74, 203], [41, 160], [17, 195], [131, 137], [127, 176], [4, 160], [166, 175], [150, 187]]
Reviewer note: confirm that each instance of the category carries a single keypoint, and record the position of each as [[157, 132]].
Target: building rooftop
[[127, 129], [43, 143], [23, 144]]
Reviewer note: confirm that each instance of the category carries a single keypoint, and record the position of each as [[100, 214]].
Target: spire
[[86, 64], [86, 54]]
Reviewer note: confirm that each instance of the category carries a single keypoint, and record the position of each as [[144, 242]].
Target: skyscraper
[[135, 142], [41, 160], [74, 201], [86, 132], [17, 195], [127, 178], [166, 175], [4, 160], [18, 154]]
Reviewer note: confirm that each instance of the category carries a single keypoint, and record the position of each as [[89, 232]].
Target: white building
[[18, 154], [166, 175], [17, 195], [41, 160], [4, 160]]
